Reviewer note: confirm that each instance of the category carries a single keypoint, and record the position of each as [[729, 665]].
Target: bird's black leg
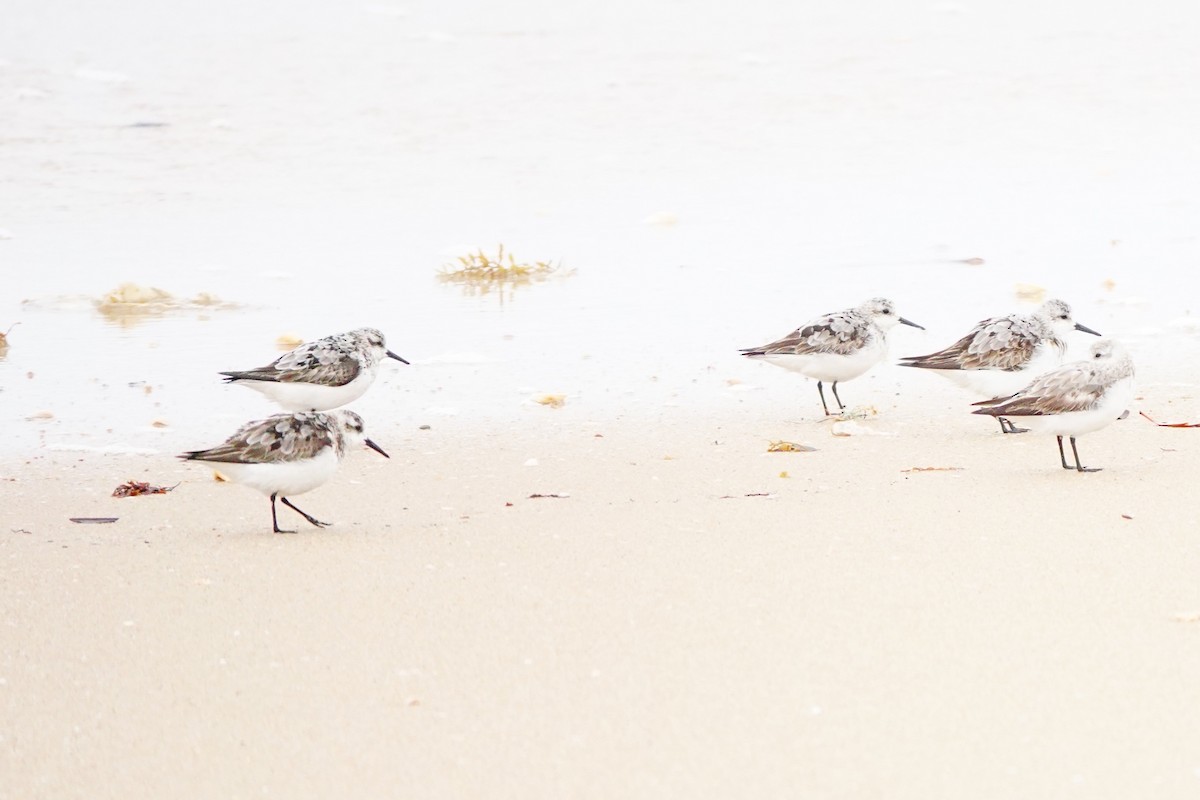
[[275, 520], [1079, 466], [1062, 456], [835, 397], [308, 517], [821, 391], [1006, 426]]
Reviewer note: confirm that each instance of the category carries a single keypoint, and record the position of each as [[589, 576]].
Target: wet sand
[[1003, 629]]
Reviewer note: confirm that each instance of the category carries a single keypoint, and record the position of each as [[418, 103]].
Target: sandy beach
[[683, 622], [626, 596]]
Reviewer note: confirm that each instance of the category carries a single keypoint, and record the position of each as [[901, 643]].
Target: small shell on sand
[[1030, 292], [663, 219], [847, 427]]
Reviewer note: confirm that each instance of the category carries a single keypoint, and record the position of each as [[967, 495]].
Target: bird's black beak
[[1086, 329], [911, 323], [375, 447], [390, 354]]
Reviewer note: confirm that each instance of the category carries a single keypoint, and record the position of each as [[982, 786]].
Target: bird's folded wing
[[835, 334], [283, 437]]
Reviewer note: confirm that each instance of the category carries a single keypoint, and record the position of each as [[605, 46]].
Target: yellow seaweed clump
[[131, 303], [4, 339], [789, 447], [479, 273]]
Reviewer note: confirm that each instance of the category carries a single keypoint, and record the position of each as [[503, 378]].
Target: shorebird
[[1002, 354], [320, 375], [1075, 399], [835, 347], [287, 454]]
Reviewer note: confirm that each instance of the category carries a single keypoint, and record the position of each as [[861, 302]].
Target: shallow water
[[713, 179]]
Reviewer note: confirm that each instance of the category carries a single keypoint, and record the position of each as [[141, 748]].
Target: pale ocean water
[[714, 175]]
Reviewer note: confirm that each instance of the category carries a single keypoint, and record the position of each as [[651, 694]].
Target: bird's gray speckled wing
[[283, 437], [326, 362], [1002, 343], [841, 333], [1075, 387]]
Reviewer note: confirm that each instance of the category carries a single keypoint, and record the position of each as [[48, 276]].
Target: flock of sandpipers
[[1015, 362]]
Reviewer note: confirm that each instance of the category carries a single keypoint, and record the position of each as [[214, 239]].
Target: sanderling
[[835, 347], [320, 375], [287, 454], [1002, 354], [1075, 399]]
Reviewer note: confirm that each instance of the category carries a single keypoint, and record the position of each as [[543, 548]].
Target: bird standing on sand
[[287, 454], [1075, 399], [1002, 354], [320, 375], [835, 347]]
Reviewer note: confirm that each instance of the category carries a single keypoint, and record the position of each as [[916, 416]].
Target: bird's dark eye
[[886, 311], [1064, 316]]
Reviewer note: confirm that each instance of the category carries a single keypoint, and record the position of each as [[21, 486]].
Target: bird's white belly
[[285, 478], [312, 396], [829, 367], [989, 383]]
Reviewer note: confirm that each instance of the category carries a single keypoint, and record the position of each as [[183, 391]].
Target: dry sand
[[1006, 629]]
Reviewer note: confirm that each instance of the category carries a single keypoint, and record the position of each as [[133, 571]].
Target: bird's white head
[[1107, 350], [354, 432], [1112, 358], [1058, 314], [882, 312], [375, 344]]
